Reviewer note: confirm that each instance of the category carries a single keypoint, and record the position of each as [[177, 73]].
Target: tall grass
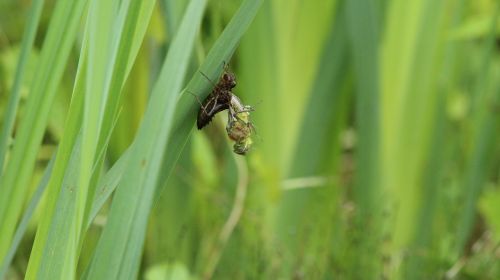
[[375, 150]]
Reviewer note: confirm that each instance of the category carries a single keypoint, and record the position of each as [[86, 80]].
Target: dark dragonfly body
[[238, 128], [218, 100]]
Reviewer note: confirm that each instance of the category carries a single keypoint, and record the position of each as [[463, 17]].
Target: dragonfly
[[239, 127], [218, 100]]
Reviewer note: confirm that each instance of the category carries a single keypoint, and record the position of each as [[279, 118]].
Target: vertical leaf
[[363, 26]]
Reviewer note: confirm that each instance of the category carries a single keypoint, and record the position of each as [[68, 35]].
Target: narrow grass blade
[[28, 214], [173, 14], [363, 26], [15, 94], [100, 23], [62, 263], [107, 185], [422, 237], [484, 139]]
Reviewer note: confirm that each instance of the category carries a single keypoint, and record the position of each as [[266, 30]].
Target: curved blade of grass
[[120, 246], [14, 181], [57, 261], [23, 223], [107, 185], [100, 23], [15, 96]]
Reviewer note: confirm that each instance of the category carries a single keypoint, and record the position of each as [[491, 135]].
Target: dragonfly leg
[[199, 102]]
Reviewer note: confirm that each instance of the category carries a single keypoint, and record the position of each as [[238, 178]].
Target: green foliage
[[375, 148]]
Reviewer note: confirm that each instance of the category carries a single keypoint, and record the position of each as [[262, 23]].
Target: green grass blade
[[484, 138], [134, 19], [422, 238], [108, 184], [28, 214], [15, 94], [14, 181], [62, 263], [99, 25], [363, 32], [173, 14]]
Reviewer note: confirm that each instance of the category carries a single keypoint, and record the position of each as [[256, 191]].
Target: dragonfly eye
[[229, 80]]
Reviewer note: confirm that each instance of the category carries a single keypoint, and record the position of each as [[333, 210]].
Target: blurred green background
[[376, 151]]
